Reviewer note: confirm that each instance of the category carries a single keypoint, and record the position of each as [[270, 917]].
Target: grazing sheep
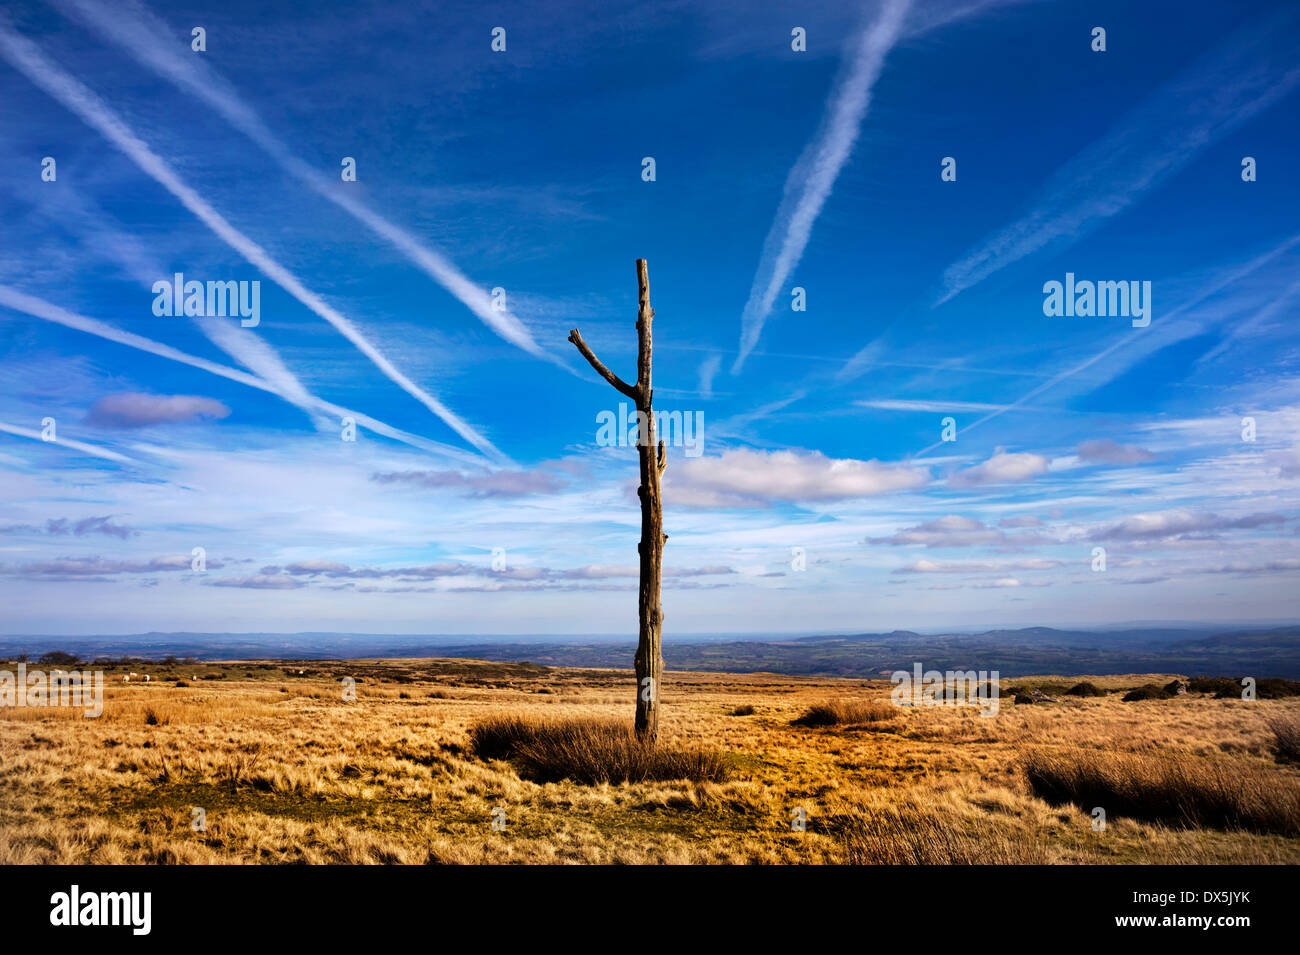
[[147, 678], [126, 678]]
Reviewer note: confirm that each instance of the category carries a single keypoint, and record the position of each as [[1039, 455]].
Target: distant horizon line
[[631, 634]]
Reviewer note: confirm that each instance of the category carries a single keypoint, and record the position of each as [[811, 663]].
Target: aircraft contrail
[[810, 181], [39, 308], [148, 40], [27, 58]]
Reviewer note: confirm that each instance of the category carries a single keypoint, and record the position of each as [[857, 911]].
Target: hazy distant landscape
[[1265, 652]]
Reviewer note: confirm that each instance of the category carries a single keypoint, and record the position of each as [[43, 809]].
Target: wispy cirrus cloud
[[1179, 522], [708, 371], [71, 568], [951, 530], [929, 406], [63, 526], [978, 566], [1152, 142], [258, 582], [300, 573], [483, 484]]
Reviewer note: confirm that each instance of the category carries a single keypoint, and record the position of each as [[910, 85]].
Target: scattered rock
[[1034, 696]]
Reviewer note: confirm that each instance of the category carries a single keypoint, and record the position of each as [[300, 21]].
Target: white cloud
[[1002, 468], [1158, 525], [1106, 451], [951, 530], [978, 566], [741, 476], [132, 409]]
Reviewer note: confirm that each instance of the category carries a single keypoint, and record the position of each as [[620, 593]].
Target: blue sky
[[821, 495]]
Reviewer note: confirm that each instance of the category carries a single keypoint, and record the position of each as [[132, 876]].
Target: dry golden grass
[[287, 771], [588, 750], [847, 713], [1286, 732], [1180, 790]]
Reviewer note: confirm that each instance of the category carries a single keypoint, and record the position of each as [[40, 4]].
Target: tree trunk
[[649, 656]]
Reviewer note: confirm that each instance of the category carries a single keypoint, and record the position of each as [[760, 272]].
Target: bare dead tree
[[649, 657]]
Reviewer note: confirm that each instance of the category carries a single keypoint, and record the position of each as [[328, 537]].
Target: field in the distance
[[286, 771]]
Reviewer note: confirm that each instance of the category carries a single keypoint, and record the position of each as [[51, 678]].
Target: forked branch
[[630, 390]]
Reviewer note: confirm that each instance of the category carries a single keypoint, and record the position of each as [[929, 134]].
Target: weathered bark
[[649, 655]]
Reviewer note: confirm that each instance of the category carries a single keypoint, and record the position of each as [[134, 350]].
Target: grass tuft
[[1178, 790], [846, 712], [588, 750], [1286, 735]]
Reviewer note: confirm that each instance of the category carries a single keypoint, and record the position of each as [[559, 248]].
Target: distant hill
[[1266, 652]]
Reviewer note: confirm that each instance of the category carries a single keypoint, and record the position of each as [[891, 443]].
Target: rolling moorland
[[464, 761], [1262, 652]]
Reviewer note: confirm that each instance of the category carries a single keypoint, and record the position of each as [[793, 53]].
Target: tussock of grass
[[1286, 734], [500, 737], [1085, 689], [745, 710], [846, 712], [1148, 691], [1178, 790], [588, 750]]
